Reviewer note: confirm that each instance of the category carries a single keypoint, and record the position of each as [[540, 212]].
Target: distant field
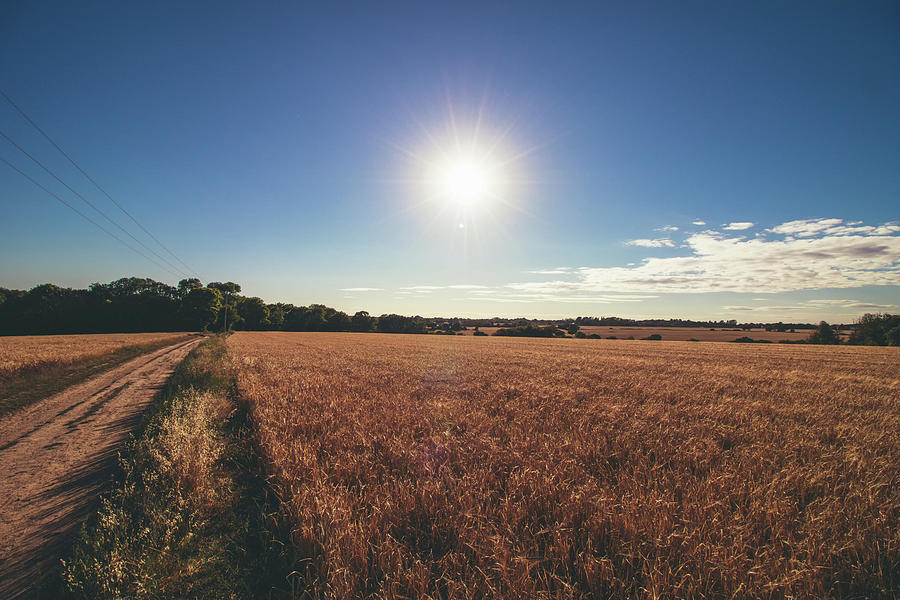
[[459, 467], [19, 353], [682, 334], [35, 367]]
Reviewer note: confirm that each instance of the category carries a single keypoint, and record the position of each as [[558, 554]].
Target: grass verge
[[33, 384], [189, 517]]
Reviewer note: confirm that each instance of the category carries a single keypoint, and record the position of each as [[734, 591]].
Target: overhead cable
[[91, 179]]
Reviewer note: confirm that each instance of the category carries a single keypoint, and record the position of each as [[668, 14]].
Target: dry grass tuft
[[186, 519], [452, 467]]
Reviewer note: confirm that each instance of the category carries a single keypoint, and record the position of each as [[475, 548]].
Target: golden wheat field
[[460, 467], [19, 353]]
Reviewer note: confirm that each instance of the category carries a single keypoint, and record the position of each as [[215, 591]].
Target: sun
[[466, 172], [465, 179]]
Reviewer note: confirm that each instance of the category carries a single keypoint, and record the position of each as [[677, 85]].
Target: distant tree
[[186, 285], [254, 313], [531, 331], [200, 308], [876, 329], [572, 328], [229, 290], [392, 323], [363, 322], [276, 316], [312, 318], [893, 336], [336, 320], [824, 334]]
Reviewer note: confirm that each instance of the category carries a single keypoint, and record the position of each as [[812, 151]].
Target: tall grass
[[450, 467], [188, 518]]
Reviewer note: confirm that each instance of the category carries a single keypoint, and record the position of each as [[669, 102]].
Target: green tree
[[186, 285], [276, 316], [254, 312], [229, 290], [336, 320], [824, 334], [893, 336], [200, 308], [875, 329], [363, 322]]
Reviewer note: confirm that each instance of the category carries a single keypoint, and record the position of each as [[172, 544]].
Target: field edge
[[37, 383], [190, 513]]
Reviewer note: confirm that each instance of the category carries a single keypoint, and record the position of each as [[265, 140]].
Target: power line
[[91, 179], [84, 216], [91, 204]]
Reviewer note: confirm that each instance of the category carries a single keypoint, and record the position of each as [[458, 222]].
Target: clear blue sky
[[281, 146]]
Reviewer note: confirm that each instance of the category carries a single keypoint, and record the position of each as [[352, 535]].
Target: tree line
[[135, 304]]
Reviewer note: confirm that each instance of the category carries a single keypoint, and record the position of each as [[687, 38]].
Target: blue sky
[[283, 146]]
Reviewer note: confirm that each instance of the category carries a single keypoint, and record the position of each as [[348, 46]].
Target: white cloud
[[698, 222], [667, 228], [426, 289], [812, 227], [552, 294], [855, 304], [739, 226], [818, 306], [645, 243], [805, 227], [720, 262], [361, 289], [556, 271]]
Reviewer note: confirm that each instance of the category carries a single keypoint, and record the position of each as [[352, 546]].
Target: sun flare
[[465, 180], [466, 173]]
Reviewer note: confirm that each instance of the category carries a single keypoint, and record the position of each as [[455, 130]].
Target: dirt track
[[56, 456]]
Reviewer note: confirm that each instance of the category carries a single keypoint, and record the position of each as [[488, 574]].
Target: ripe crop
[[460, 467], [30, 352]]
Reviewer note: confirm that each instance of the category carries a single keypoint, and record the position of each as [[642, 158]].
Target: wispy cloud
[[719, 262], [361, 289], [521, 293], [738, 226], [698, 222], [556, 271], [434, 288], [667, 228], [648, 243], [815, 306], [856, 304]]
